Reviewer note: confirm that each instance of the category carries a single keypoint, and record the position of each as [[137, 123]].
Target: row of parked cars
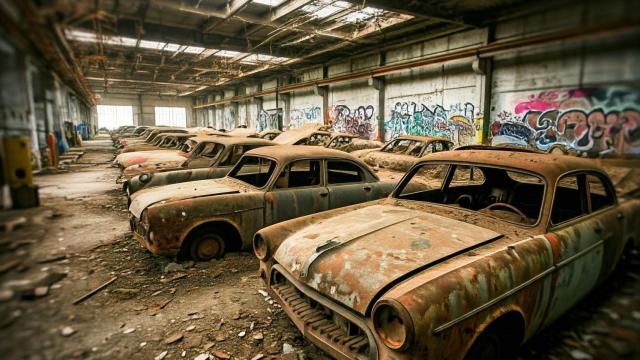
[[470, 254]]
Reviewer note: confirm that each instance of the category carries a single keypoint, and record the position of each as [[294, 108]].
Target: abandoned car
[[473, 253], [308, 134], [400, 153], [162, 141], [204, 219], [214, 158], [350, 143], [268, 134]]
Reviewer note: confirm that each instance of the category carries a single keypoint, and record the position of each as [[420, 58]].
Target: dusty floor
[[79, 239]]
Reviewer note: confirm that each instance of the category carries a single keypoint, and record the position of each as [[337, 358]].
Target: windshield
[[253, 170], [211, 150], [404, 146], [188, 146], [513, 196]]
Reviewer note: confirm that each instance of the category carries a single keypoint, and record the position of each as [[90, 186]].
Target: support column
[[31, 113], [378, 84], [324, 92], [141, 112], [286, 116]]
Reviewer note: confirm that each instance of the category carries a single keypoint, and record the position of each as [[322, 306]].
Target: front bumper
[[335, 330], [141, 234]]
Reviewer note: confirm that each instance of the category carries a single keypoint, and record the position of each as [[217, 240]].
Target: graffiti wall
[[310, 115], [358, 120], [457, 122], [269, 119], [593, 121]]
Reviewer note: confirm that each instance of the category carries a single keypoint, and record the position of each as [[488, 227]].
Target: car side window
[[569, 201], [299, 173], [234, 155], [600, 194], [343, 172]]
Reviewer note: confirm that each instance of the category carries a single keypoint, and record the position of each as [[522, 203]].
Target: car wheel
[[206, 246], [486, 347]]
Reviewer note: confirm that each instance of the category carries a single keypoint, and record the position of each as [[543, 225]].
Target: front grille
[[335, 331]]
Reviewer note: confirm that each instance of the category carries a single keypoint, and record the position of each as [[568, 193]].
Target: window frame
[[362, 172], [323, 180], [586, 198], [449, 176], [269, 181]]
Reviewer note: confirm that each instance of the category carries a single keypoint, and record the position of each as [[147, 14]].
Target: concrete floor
[[81, 231]]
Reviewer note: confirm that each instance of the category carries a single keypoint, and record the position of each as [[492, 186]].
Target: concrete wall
[[578, 95], [144, 106]]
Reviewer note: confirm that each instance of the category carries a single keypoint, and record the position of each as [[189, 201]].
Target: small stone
[[287, 348], [242, 333], [67, 331], [263, 293], [208, 346], [190, 328], [173, 338], [173, 267], [257, 357], [184, 353], [580, 355], [258, 336], [220, 338], [221, 355], [143, 344], [236, 316], [129, 331], [40, 291], [161, 355], [203, 356]]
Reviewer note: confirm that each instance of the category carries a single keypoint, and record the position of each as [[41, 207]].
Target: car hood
[[138, 157], [181, 191], [150, 167], [353, 256]]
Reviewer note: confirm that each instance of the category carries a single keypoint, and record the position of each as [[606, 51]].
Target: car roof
[[232, 140], [422, 138], [294, 152], [550, 166], [295, 135]]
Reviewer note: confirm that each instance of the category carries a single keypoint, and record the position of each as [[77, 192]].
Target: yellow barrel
[[18, 161]]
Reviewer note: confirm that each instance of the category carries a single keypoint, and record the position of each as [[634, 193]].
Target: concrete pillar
[[378, 84], [140, 113], [31, 114], [324, 92], [286, 116]]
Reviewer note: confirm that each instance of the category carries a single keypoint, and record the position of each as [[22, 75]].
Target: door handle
[[366, 188], [324, 194], [620, 216]]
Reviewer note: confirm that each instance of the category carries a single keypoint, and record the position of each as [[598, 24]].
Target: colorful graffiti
[[269, 119], [358, 121], [589, 122], [305, 116], [456, 123]]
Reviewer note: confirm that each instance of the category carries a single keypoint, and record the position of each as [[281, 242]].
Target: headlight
[[260, 247], [393, 324], [145, 177]]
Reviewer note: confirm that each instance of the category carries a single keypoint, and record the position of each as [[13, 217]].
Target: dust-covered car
[[204, 219], [350, 143], [162, 141], [213, 159], [402, 152], [473, 253], [268, 134], [308, 134]]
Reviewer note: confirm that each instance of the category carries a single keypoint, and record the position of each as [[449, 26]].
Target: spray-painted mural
[[229, 118], [593, 121], [456, 123], [269, 119], [359, 121], [310, 115]]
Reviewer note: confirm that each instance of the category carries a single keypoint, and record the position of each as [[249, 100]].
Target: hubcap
[[209, 247]]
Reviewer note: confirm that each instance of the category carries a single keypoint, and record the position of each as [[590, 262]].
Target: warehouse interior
[[83, 80]]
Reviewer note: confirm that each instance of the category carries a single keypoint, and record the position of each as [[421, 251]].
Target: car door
[[580, 237], [347, 184], [299, 190]]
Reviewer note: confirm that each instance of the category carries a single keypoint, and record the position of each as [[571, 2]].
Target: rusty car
[[268, 134], [400, 153], [213, 159], [350, 143], [471, 255], [308, 134], [204, 219], [162, 141], [192, 154]]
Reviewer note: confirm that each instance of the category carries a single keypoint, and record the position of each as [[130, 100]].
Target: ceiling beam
[[233, 7], [288, 7]]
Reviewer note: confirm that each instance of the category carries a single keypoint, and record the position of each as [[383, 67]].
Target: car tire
[[206, 245], [487, 346]]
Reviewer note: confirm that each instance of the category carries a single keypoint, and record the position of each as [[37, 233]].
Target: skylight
[[325, 8], [361, 15], [272, 3], [86, 36]]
